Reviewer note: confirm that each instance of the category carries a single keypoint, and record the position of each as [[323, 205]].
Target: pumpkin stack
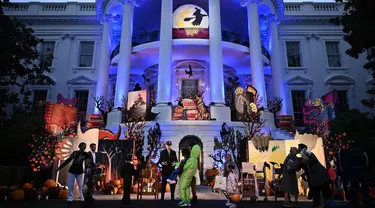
[[50, 189], [118, 187]]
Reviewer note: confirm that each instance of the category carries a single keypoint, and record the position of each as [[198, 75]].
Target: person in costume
[[232, 181], [190, 168], [173, 177]]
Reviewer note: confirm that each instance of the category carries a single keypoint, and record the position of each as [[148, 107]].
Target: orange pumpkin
[[236, 198], [115, 190], [50, 183], [116, 183], [27, 185], [120, 191], [18, 195], [63, 194]]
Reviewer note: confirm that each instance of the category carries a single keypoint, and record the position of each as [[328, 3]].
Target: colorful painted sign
[[137, 104], [190, 21]]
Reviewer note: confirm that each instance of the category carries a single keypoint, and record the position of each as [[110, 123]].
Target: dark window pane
[[298, 100], [188, 85], [333, 54], [82, 96], [343, 106], [293, 54], [86, 53]]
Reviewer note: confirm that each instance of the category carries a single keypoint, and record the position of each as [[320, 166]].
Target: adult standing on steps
[[168, 160]]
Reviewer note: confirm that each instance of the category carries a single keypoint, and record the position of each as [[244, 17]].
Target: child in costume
[[172, 178], [190, 168], [231, 183]]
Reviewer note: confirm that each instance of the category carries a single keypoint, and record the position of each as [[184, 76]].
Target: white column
[[276, 66], [216, 54], [164, 90], [256, 56], [123, 68], [102, 84]]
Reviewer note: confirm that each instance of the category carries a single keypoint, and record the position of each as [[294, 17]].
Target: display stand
[[249, 183], [148, 187]]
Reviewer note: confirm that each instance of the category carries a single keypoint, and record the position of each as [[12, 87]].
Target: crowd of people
[[351, 172]]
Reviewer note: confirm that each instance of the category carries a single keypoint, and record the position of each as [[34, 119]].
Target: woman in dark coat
[[319, 178], [289, 183]]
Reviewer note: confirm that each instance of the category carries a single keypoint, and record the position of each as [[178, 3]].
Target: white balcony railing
[[309, 8], [51, 9]]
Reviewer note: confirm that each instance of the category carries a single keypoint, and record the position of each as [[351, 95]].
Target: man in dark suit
[[168, 159], [94, 156]]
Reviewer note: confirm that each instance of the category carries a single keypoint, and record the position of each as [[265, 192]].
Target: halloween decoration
[[50, 183], [104, 107], [191, 107], [63, 194], [42, 152], [153, 144], [190, 72], [18, 195], [232, 142]]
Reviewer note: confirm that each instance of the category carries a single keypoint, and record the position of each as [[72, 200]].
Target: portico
[[216, 79]]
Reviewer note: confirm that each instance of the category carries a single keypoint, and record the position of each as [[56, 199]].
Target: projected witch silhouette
[[198, 17]]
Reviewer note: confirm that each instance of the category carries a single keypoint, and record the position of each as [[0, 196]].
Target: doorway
[[185, 143]]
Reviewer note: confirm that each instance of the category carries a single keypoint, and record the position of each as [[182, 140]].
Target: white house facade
[[287, 50]]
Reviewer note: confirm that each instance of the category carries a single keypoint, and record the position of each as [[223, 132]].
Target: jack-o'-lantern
[[26, 185], [236, 198], [18, 195], [50, 183], [116, 183], [63, 194], [115, 190]]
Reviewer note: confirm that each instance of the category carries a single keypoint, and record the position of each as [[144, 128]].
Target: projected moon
[[190, 16]]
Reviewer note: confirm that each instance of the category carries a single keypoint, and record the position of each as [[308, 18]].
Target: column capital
[[136, 3], [109, 17], [273, 18], [244, 3]]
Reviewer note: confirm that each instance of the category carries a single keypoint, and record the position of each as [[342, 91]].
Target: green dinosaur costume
[[190, 168]]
